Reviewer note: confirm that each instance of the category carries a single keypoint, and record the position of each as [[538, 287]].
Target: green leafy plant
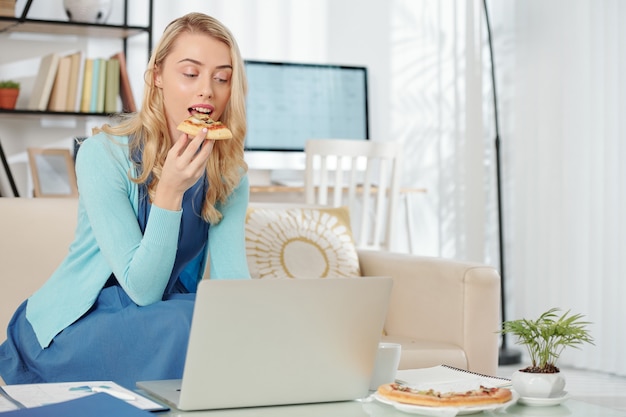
[[546, 337], [9, 84]]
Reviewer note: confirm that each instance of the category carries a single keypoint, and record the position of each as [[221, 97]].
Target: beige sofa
[[441, 311]]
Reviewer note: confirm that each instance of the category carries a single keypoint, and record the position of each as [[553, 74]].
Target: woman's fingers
[[186, 148], [202, 156], [188, 156], [184, 165]]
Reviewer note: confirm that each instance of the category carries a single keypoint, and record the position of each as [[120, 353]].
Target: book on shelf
[[60, 87], [97, 85], [74, 91], [102, 79], [44, 80], [126, 93], [112, 86], [85, 101], [95, 75], [89, 85]]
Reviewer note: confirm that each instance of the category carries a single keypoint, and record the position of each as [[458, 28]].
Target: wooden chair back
[[361, 174]]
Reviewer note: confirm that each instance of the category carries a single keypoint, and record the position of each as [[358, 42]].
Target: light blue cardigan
[[108, 240]]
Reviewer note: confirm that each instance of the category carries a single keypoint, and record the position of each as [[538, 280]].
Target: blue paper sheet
[[95, 405]]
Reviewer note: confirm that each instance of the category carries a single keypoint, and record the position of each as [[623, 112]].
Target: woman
[[155, 205]]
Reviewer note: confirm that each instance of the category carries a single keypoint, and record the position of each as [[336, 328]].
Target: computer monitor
[[289, 103]]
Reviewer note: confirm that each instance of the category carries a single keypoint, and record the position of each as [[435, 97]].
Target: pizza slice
[[194, 123]]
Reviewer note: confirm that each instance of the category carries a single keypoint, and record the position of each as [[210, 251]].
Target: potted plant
[[545, 339], [9, 90]]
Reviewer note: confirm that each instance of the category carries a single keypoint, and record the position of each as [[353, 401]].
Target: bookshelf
[[18, 24], [23, 24]]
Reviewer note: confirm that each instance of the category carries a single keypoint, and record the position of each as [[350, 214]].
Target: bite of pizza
[[194, 123]]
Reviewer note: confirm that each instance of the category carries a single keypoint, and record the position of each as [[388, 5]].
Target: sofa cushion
[[302, 242], [419, 353]]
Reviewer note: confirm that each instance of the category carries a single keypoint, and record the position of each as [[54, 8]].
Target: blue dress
[[116, 339]]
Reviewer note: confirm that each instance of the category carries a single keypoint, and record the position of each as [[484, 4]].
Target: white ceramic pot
[[538, 385], [88, 11]]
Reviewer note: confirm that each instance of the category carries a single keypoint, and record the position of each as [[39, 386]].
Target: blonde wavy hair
[[148, 126]]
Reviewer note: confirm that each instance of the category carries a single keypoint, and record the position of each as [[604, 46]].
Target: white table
[[570, 408]]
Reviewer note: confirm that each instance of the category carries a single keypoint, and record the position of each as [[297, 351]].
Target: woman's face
[[195, 77]]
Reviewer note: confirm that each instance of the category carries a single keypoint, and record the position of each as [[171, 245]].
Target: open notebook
[[446, 378]]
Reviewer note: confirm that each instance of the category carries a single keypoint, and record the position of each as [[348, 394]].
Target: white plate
[[543, 402], [444, 411]]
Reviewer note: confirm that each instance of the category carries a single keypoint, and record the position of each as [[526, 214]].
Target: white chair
[[361, 174]]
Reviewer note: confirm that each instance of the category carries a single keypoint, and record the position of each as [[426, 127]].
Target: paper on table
[[35, 395], [6, 404], [445, 378]]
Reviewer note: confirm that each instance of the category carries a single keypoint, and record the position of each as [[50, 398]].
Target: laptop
[[274, 342]]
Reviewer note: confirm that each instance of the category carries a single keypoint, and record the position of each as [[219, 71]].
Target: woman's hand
[[184, 165]]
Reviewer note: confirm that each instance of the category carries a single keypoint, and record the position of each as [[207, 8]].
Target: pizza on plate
[[194, 123], [431, 398]]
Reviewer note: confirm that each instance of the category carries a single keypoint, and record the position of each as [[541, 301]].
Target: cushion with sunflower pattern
[[300, 242]]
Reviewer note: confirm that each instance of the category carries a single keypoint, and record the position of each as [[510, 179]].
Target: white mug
[[386, 364]]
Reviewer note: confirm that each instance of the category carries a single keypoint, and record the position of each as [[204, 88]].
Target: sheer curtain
[[565, 124], [437, 111], [561, 98]]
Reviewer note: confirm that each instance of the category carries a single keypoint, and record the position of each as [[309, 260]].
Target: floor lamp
[[506, 356]]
